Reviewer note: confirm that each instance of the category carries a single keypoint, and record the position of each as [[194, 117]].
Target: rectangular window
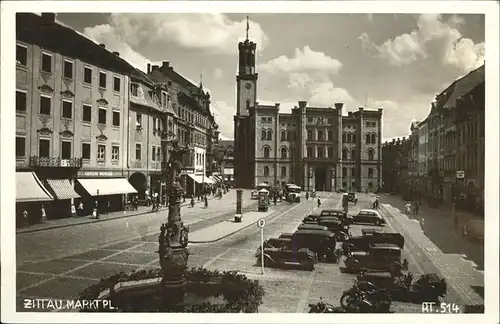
[[45, 105], [68, 69], [154, 123], [164, 98], [310, 152], [330, 121], [134, 87], [20, 147], [46, 62], [138, 120], [138, 152], [116, 118], [153, 153], [86, 151], [20, 100], [158, 153], [102, 116], [87, 113], [115, 153], [116, 84], [43, 147], [370, 173], [67, 109], [102, 79], [283, 171], [101, 152], [309, 135], [310, 120], [21, 54], [87, 74], [66, 150], [353, 172]]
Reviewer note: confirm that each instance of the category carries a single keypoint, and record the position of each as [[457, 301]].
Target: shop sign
[[90, 174], [460, 174]]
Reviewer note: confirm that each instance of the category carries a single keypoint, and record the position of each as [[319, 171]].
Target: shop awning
[[196, 177], [115, 186], [209, 180], [62, 189], [30, 188], [217, 178]]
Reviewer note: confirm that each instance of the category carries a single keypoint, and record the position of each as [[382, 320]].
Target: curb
[[93, 221]]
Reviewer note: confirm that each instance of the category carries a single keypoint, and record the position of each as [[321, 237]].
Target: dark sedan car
[[369, 216]]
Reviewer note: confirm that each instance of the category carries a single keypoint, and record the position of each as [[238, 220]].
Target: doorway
[[320, 179]]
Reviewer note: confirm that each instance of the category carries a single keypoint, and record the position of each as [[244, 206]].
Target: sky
[[398, 62]]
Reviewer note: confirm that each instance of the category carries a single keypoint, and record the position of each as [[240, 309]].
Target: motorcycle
[[365, 297], [321, 307]]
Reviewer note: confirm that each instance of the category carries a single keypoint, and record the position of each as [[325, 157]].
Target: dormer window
[[134, 87]]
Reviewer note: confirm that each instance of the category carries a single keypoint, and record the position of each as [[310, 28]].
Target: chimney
[[277, 106], [102, 45], [349, 114], [149, 68], [302, 104], [338, 105], [393, 140], [380, 110], [116, 53], [165, 64], [361, 108], [154, 67], [48, 17]]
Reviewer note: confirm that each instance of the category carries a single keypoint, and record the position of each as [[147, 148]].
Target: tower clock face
[[248, 85]]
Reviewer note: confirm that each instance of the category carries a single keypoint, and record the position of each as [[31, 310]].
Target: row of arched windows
[[283, 171], [370, 138], [348, 137], [287, 135], [283, 152], [266, 134], [345, 152]]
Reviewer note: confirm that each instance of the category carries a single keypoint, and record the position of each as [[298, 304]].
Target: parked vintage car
[[275, 257], [338, 213], [319, 241], [362, 243], [276, 243], [427, 287], [369, 216], [312, 227], [336, 226], [379, 257]]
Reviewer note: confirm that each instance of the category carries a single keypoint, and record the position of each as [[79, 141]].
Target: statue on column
[[173, 239]]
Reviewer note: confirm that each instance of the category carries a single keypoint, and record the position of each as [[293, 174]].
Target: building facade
[[196, 125], [306, 146], [225, 161], [71, 117], [395, 165], [422, 187]]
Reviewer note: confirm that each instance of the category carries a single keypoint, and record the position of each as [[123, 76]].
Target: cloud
[[325, 94], [305, 60], [299, 80], [433, 39], [224, 117], [210, 33], [218, 73]]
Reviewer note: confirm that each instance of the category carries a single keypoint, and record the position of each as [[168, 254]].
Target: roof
[[52, 36], [464, 85]]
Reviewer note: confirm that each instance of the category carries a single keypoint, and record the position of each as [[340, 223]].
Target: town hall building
[[315, 148]]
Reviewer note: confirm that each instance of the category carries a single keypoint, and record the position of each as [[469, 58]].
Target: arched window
[[354, 138], [349, 138], [373, 138], [289, 135], [344, 154], [264, 134], [330, 136], [367, 140], [283, 171], [267, 152], [284, 153], [320, 135], [344, 172], [344, 139], [320, 152], [371, 154], [330, 152], [309, 135], [269, 134], [283, 135], [353, 155], [266, 171], [370, 172], [353, 172], [248, 104]]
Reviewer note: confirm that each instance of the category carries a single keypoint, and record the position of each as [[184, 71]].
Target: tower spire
[[201, 80], [248, 26]]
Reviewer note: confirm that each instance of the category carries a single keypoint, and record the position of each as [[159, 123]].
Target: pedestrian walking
[[43, 213], [80, 209], [407, 208], [355, 200], [307, 195], [206, 202], [25, 218], [319, 202], [275, 199], [417, 207]]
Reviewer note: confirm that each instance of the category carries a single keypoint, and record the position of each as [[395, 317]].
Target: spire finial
[[201, 80], [248, 26]]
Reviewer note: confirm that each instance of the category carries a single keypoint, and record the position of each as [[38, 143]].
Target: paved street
[[287, 290]]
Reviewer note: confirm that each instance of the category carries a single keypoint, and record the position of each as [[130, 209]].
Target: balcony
[[55, 162]]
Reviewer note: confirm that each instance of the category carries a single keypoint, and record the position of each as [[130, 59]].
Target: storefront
[[108, 188], [31, 194], [65, 196]]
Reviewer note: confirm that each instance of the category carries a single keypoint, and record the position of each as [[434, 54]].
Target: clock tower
[[246, 80]]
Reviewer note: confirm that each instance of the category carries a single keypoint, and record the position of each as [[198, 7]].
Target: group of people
[[412, 207]]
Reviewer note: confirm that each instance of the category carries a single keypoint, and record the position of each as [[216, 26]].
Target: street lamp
[[173, 239]]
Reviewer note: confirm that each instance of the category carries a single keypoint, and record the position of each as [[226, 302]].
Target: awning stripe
[[114, 186], [30, 188], [62, 189]]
